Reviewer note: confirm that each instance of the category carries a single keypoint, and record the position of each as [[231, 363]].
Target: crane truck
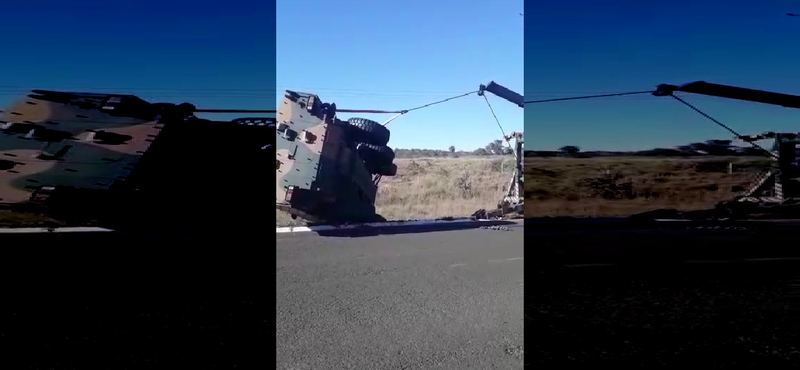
[[779, 183]]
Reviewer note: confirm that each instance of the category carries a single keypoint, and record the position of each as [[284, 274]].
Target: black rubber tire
[[390, 170], [375, 156], [368, 131]]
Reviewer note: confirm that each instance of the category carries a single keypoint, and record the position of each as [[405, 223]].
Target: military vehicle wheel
[[375, 156], [368, 131], [390, 170]]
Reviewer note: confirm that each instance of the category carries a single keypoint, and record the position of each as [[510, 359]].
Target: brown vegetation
[[621, 186], [9, 218], [439, 187]]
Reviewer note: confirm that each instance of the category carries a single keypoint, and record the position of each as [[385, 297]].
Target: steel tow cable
[[399, 113], [440, 101], [234, 110], [507, 139], [376, 111], [739, 136], [725, 127], [588, 97], [402, 112]]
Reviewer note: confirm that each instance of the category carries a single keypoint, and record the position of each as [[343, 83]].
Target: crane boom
[[502, 92], [731, 92]]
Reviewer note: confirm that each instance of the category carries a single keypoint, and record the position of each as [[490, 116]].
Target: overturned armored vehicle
[[327, 169], [123, 160]]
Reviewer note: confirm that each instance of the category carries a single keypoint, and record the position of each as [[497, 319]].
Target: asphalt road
[[714, 316], [677, 242], [411, 300], [123, 301], [666, 297]]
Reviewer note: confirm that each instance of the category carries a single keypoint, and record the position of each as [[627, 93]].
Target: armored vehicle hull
[[125, 161], [327, 169]]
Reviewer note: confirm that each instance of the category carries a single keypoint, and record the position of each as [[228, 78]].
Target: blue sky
[[396, 55], [584, 47], [174, 51]]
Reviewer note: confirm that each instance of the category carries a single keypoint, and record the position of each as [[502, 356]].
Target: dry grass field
[[10, 218], [621, 186], [423, 188], [439, 187], [584, 187]]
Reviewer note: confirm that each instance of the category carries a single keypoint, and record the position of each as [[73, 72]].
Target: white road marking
[[36, 230], [295, 229], [458, 264], [591, 265], [696, 262], [746, 260], [773, 259], [24, 230], [505, 260], [710, 261], [80, 229]]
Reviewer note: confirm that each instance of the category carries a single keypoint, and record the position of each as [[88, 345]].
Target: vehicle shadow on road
[[368, 231]]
